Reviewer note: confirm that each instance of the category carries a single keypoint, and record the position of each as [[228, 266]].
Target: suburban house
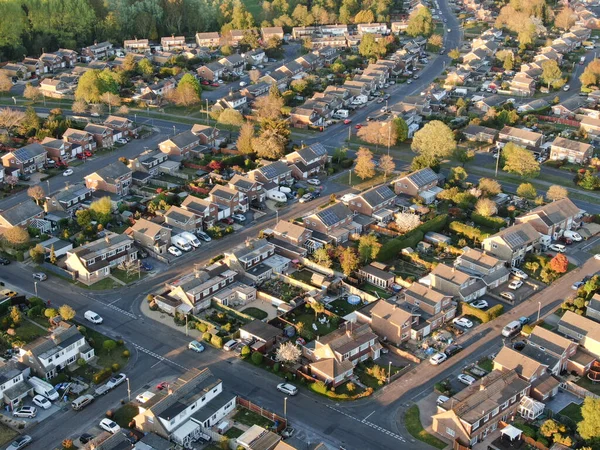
[[335, 221], [572, 151], [98, 50], [208, 135], [377, 275], [211, 71], [151, 236], [21, 215], [210, 39], [480, 133], [13, 385], [58, 150], [513, 243], [474, 412], [451, 281], [208, 210], [249, 259], [389, 322], [256, 437], [271, 32], [593, 308], [252, 191], [69, 200], [304, 117], [233, 63], [262, 335], [591, 125], [93, 261], [122, 127], [276, 172], [193, 292], [114, 178], [522, 84], [307, 161], [80, 138], [377, 202], [583, 330], [180, 144], [430, 309], [189, 406], [28, 159], [49, 355], [335, 355], [148, 162], [136, 45], [553, 219], [54, 87], [233, 100], [490, 269], [183, 219], [101, 134], [169, 43], [422, 183], [229, 201], [558, 349], [292, 240], [524, 138]]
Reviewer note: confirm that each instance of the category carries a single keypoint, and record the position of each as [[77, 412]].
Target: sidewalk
[[167, 320]]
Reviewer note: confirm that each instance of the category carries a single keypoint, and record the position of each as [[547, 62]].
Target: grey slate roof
[[21, 212], [113, 171], [184, 139], [312, 151]]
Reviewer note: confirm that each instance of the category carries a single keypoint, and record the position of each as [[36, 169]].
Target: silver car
[[20, 442], [25, 411]]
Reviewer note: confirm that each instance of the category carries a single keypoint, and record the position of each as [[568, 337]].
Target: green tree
[[37, 253], [368, 247], [435, 140], [589, 181], [15, 315], [145, 68], [526, 190], [348, 261], [84, 218], [53, 258], [109, 345], [552, 75], [401, 129], [257, 358], [426, 160], [317, 307], [457, 175], [370, 48], [364, 16], [102, 209], [420, 23], [520, 161]]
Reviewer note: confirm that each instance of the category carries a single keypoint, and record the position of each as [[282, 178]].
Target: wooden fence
[[281, 422], [568, 122]]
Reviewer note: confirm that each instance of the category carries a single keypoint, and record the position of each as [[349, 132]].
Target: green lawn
[[354, 181], [308, 318], [369, 380], [247, 417], [122, 275], [256, 313], [486, 364], [572, 411], [125, 414], [341, 307], [105, 283], [105, 359], [233, 433], [412, 422], [6, 434], [28, 332], [375, 290], [303, 275], [586, 383]]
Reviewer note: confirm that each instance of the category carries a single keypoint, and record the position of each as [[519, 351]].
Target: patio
[[562, 400], [263, 306]]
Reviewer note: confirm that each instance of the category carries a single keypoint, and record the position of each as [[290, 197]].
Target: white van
[[512, 328], [181, 243], [573, 235], [43, 388], [81, 402], [91, 316], [193, 240]]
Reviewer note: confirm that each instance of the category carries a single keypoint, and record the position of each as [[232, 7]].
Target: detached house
[[121, 126], [252, 191], [189, 406], [556, 349], [276, 172], [583, 330], [233, 63], [512, 243], [389, 322], [80, 138], [335, 355], [490, 269], [151, 236], [553, 219], [208, 135], [307, 161], [591, 125], [114, 179], [101, 134], [49, 355], [304, 117], [524, 138], [92, 262], [292, 240], [180, 144], [335, 222], [422, 183], [249, 259], [469, 416], [572, 151], [28, 159], [227, 200], [211, 71], [479, 133], [377, 202]]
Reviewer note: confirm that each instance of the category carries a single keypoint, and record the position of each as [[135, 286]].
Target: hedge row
[[102, 375], [391, 248], [472, 233], [491, 222], [483, 316]]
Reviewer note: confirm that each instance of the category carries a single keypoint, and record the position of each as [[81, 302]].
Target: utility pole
[[389, 135], [497, 162], [206, 111]]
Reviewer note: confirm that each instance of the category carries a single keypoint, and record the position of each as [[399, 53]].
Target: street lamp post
[[389, 372], [35, 287], [186, 324], [285, 409], [128, 390], [539, 310], [48, 183]]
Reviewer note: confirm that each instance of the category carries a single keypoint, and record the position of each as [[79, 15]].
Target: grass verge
[[6, 434], [125, 414], [412, 422]]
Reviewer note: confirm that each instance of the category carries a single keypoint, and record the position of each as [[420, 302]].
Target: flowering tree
[[406, 222], [288, 353]]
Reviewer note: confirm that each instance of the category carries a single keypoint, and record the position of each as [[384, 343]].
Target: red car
[[88, 154], [358, 127], [80, 156], [205, 83], [347, 121], [215, 84], [160, 386], [227, 221]]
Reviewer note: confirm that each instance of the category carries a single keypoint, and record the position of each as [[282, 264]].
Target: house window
[[495, 411], [494, 246], [149, 419], [450, 432]]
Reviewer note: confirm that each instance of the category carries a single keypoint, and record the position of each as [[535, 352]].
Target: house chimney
[[170, 391], [107, 239]]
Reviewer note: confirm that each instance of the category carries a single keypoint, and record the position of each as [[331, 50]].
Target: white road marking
[[369, 415], [370, 424], [157, 356]]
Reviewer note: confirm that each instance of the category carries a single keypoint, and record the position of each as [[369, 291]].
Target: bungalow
[[377, 202], [101, 134], [53, 87], [479, 133], [292, 240], [307, 161], [28, 159], [513, 243], [81, 138], [376, 275], [572, 151], [303, 117], [114, 178], [210, 39], [335, 355], [593, 308], [335, 221], [21, 215], [533, 105], [569, 108], [93, 261], [253, 91], [169, 43], [553, 219], [183, 219], [233, 100], [262, 335], [591, 125], [136, 45], [485, 104], [69, 200], [19, 71], [151, 236], [180, 145], [524, 138], [583, 330], [421, 183], [249, 257]]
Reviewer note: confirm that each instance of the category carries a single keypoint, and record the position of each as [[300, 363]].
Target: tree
[[93, 83], [420, 23], [36, 192], [245, 138], [321, 257], [560, 263], [489, 187], [556, 192], [377, 133], [110, 99], [50, 313], [66, 312], [16, 236], [145, 68], [79, 107], [52, 255], [269, 145], [401, 129], [5, 83], [257, 358], [454, 54], [552, 75], [97, 108], [268, 107], [288, 353], [15, 315], [435, 139], [32, 93], [436, 40], [102, 209], [364, 16], [457, 175], [231, 118], [421, 161], [589, 427], [406, 222], [10, 119], [348, 261], [589, 181], [37, 254], [339, 154], [365, 166], [317, 307], [190, 85], [254, 75], [565, 19], [520, 161], [486, 207], [386, 165], [526, 190], [84, 218], [370, 48], [463, 155], [368, 247], [550, 427], [109, 345]]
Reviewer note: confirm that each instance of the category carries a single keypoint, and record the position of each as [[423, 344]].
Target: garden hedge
[[491, 222], [483, 316], [472, 233]]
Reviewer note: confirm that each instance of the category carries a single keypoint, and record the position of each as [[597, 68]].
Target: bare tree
[[37, 193], [123, 110], [97, 108], [11, 181], [32, 93], [486, 207], [386, 165], [79, 107], [16, 235], [406, 222], [254, 75], [11, 118], [5, 83], [288, 353]]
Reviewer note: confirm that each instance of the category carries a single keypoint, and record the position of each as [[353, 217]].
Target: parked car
[[306, 198], [577, 285], [41, 401], [466, 379], [314, 181], [116, 380], [287, 388], [518, 273], [227, 220], [4, 261], [196, 346], [202, 235], [87, 154], [68, 172], [40, 276], [515, 284], [85, 438], [110, 426], [174, 251], [462, 322], [91, 316], [347, 121], [230, 345], [558, 248], [215, 84], [452, 350], [519, 345], [479, 304], [146, 267], [239, 217], [205, 83], [524, 320], [358, 126], [507, 295], [566, 87], [438, 358], [121, 141], [243, 83], [20, 442], [25, 411]]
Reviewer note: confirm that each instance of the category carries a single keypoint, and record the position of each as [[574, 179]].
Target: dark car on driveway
[[452, 350]]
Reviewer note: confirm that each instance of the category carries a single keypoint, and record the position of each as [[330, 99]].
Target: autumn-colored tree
[[348, 261], [79, 107], [420, 22], [254, 75], [520, 161], [486, 207], [269, 145], [15, 315], [53, 258], [5, 83], [321, 257], [245, 138], [556, 192], [36, 192], [435, 140], [231, 118], [32, 93], [317, 307], [386, 165], [489, 186], [565, 19], [365, 166], [454, 54], [526, 190], [16, 236], [66, 312], [436, 40], [589, 427], [37, 253], [368, 247], [560, 263]]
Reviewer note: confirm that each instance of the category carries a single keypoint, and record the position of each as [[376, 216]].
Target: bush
[[483, 316], [245, 351], [201, 327], [391, 248], [120, 342], [81, 362], [276, 367], [472, 233], [495, 311], [115, 367], [126, 354], [207, 336], [102, 375], [491, 222], [527, 329], [257, 358], [217, 341]]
